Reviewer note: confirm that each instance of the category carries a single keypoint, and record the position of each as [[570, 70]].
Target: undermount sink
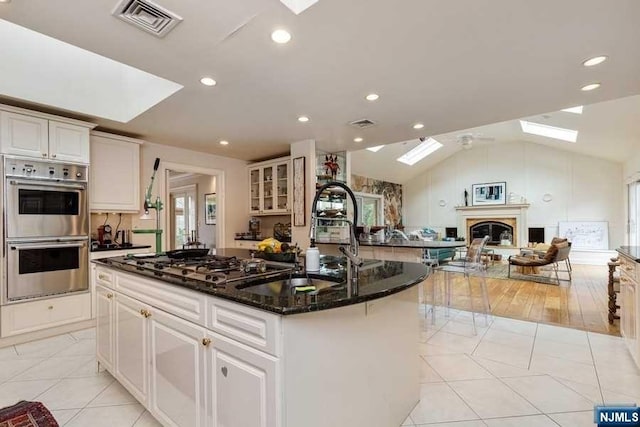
[[286, 286]]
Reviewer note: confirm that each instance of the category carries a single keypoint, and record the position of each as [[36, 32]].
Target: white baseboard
[[46, 333]]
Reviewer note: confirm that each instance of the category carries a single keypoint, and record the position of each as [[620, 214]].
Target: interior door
[[183, 216]]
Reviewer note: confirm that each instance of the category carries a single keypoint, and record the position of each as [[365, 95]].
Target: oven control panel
[[21, 168]]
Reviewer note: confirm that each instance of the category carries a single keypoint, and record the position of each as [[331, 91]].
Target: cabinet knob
[[109, 295], [53, 155], [206, 342], [44, 154], [103, 277], [145, 313], [50, 307]]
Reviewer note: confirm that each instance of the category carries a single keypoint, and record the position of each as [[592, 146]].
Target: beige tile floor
[[517, 373], [513, 373]]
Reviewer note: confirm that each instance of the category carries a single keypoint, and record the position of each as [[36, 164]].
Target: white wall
[[234, 190], [583, 188]]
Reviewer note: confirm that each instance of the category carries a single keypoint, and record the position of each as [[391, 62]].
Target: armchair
[[558, 252]]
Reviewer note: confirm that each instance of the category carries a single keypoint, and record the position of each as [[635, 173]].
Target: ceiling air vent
[[147, 16], [362, 123]]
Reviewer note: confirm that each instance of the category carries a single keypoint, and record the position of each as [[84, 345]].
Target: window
[[370, 209], [183, 207]]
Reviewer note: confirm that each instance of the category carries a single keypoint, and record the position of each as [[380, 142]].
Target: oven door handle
[[22, 247], [47, 184]]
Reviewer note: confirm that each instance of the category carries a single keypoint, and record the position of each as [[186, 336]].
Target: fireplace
[[512, 216], [493, 229]]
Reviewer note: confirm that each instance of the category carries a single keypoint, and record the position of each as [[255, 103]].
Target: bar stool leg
[[485, 297], [447, 291], [473, 314]]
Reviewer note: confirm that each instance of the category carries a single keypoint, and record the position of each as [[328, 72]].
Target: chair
[[471, 266], [558, 252]]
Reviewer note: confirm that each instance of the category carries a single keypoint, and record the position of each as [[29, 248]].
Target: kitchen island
[[400, 250], [207, 353]]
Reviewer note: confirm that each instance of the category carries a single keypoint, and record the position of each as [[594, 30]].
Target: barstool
[[471, 266]]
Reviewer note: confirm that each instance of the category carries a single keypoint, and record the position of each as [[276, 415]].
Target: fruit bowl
[[277, 256]]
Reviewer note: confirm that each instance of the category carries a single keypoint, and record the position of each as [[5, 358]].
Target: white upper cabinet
[[24, 135], [115, 173], [43, 136], [69, 143], [269, 187]]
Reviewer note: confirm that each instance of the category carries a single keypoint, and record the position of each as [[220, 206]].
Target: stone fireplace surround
[[515, 215]]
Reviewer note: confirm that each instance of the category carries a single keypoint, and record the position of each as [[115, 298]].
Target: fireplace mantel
[[490, 207]]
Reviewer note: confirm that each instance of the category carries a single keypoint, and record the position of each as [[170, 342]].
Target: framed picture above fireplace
[[490, 193]]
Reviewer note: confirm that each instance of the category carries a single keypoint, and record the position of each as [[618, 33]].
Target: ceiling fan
[[466, 140]]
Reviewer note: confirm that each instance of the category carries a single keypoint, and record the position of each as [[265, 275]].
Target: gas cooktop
[[213, 270]]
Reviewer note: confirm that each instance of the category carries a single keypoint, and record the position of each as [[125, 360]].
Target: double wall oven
[[46, 239]]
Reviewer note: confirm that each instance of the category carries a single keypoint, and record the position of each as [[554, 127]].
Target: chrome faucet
[[353, 260]]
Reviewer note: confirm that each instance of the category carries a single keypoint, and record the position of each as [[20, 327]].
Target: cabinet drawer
[[104, 277], [184, 303], [629, 267], [36, 315], [255, 328]]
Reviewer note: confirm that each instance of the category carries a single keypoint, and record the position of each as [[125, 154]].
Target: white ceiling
[[450, 64], [609, 130]]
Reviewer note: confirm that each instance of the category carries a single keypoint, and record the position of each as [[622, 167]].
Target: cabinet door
[[255, 190], [241, 385], [268, 189], [132, 351], [281, 188], [177, 371], [24, 135], [104, 326], [69, 143], [115, 175]]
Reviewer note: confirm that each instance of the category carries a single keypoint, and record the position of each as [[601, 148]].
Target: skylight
[[40, 69], [421, 151], [574, 110], [298, 6], [376, 148], [549, 131]]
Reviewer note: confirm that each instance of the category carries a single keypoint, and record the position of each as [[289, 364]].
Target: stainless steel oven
[[46, 222], [42, 268], [45, 199]]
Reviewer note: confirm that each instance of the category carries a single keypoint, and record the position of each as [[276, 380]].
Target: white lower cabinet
[[132, 346], [177, 371], [105, 326], [184, 374], [242, 385]]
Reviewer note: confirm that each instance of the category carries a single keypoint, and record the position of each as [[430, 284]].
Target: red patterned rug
[[27, 414]]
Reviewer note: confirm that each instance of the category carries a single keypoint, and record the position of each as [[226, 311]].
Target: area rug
[[499, 270], [27, 414]]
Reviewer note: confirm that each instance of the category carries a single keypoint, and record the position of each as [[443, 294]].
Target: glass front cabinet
[[269, 187]]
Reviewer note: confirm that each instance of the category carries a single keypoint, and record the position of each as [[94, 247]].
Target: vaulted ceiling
[[451, 65]]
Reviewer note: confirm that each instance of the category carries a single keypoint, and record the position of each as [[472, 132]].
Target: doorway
[[192, 210]]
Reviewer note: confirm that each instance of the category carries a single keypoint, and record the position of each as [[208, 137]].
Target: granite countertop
[[376, 279], [630, 251], [121, 248], [435, 244]]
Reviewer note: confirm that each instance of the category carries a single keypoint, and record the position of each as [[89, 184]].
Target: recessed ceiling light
[[568, 135], [303, 119], [418, 126], [281, 36], [376, 148], [421, 151], [574, 110], [589, 87], [208, 81], [594, 61], [372, 97], [5, 1], [224, 142], [358, 139]]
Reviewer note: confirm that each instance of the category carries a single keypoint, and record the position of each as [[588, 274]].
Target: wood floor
[[581, 304]]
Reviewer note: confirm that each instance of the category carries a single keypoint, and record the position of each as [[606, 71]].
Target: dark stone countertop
[[376, 279], [435, 244], [121, 248], [631, 252]]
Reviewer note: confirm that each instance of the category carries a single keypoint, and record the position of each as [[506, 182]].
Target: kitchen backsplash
[[99, 219], [391, 193]]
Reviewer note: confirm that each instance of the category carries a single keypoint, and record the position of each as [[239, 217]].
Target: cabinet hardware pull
[[53, 155], [147, 313], [143, 311], [44, 154], [206, 341], [50, 307], [109, 295], [103, 277]]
